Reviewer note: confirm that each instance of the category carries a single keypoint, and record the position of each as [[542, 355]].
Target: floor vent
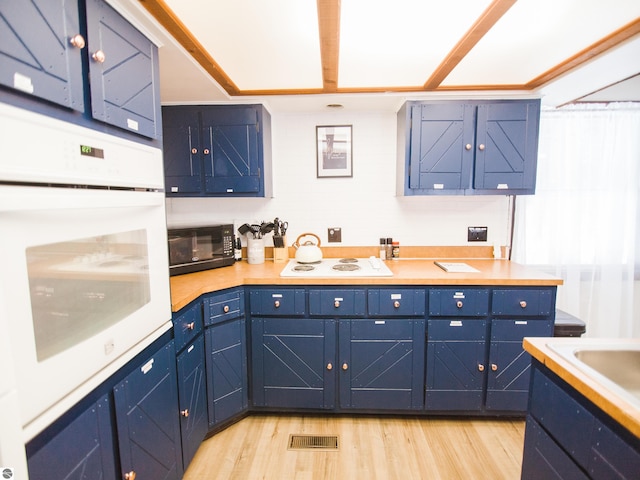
[[313, 442]]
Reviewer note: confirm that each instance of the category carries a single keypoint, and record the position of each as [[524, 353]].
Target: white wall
[[365, 206]]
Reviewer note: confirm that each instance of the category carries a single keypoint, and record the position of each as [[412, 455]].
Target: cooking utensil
[[308, 252], [243, 229]]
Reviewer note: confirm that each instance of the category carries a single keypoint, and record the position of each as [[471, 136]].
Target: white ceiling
[[273, 48]]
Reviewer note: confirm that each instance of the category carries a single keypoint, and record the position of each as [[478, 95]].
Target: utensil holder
[[255, 250], [281, 254]]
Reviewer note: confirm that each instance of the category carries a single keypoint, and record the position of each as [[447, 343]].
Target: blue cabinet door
[[124, 83], [440, 160], [146, 404], [293, 362], [227, 370], [232, 150], [381, 364], [456, 352], [36, 56], [507, 146], [81, 450], [192, 399], [182, 150], [509, 369]]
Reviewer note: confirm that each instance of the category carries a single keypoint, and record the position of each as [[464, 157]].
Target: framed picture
[[334, 151]]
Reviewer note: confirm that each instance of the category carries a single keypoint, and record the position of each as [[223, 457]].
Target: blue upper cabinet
[[182, 151], [44, 44], [123, 72], [468, 148], [226, 153], [40, 50]]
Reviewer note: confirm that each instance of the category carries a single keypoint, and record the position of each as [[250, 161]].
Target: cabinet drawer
[[516, 330], [523, 302], [396, 302], [223, 306], [467, 330], [187, 324], [285, 301], [341, 302], [470, 302]]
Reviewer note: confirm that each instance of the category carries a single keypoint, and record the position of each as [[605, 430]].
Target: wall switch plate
[[335, 235], [477, 234]]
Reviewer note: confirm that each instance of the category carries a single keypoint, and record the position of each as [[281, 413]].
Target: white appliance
[[83, 256], [338, 268]]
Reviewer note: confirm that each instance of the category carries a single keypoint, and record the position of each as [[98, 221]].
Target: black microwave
[[200, 248]]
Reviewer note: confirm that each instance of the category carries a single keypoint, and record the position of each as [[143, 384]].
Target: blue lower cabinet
[[192, 397], [381, 364], [147, 418], [543, 458], [83, 449], [293, 362], [227, 370], [508, 373], [455, 364], [570, 436]]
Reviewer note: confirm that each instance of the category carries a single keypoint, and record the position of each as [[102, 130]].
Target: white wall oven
[[83, 249]]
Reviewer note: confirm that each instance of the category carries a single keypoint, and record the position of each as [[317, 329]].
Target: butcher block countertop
[[600, 393], [188, 287]]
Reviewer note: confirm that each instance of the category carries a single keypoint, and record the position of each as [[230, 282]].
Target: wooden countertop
[[185, 288], [608, 400]]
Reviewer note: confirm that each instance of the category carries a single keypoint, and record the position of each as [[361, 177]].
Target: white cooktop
[[345, 267]]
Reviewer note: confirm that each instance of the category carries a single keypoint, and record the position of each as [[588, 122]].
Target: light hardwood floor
[[383, 448]]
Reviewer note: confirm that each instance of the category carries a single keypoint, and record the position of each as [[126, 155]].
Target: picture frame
[[334, 151]]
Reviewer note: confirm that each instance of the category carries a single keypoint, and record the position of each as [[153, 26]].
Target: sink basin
[[615, 366]]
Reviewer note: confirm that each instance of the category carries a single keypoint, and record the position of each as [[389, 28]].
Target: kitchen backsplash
[[364, 206]]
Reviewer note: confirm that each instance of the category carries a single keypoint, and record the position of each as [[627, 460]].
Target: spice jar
[[395, 250], [383, 249], [389, 248]]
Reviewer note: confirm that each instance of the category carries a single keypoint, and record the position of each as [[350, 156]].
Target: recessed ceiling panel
[[399, 43], [261, 45], [536, 35]]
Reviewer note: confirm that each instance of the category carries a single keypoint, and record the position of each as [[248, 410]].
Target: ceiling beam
[[329, 27], [483, 24], [612, 40], [168, 19]]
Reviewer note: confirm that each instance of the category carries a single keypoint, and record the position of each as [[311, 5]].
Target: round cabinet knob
[[336, 303], [481, 368], [191, 326], [77, 41], [226, 309], [345, 366], [276, 304], [459, 304], [99, 56], [206, 151], [194, 151], [130, 475], [467, 146], [396, 304], [523, 304], [185, 412], [494, 367], [481, 147], [329, 366]]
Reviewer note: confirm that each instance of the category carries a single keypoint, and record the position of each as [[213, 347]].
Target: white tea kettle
[[307, 252]]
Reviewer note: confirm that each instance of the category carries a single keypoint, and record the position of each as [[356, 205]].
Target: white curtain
[[583, 223]]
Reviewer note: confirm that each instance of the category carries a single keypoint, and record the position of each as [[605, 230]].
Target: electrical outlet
[[477, 234], [334, 234]]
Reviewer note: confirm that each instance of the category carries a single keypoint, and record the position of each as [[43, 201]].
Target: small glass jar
[[395, 250], [388, 248], [383, 249]]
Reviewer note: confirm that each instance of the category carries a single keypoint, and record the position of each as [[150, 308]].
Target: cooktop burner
[[346, 267], [338, 267]]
